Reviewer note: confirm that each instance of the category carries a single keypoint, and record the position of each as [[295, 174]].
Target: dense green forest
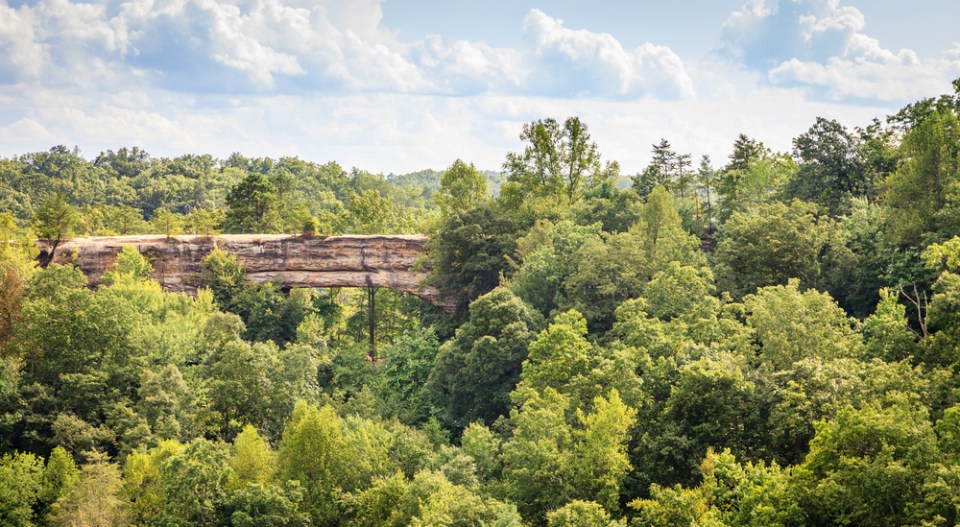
[[772, 340]]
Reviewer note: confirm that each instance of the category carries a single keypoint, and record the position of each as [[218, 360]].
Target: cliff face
[[298, 261]]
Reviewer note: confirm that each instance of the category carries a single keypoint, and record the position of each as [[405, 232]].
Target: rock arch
[[390, 261]]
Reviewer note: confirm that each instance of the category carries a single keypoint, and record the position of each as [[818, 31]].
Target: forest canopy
[[767, 340]]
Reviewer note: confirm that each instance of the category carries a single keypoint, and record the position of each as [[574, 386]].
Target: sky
[[395, 86]]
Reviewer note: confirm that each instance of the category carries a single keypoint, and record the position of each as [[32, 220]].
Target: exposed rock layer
[[394, 262]]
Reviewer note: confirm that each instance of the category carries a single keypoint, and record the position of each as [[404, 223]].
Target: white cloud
[[326, 46], [743, 26], [205, 45], [463, 67], [820, 44], [868, 71], [833, 19], [25, 133], [580, 62], [235, 45], [23, 54]]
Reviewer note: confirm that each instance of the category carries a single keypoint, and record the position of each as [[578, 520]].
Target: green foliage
[[548, 255], [55, 220], [16, 247], [131, 267], [831, 170], [76, 344], [942, 319], [370, 212], [17, 264], [476, 370], [667, 169], [462, 187], [258, 384], [879, 263], [314, 452], [615, 209], [263, 505], [167, 404], [679, 291], [617, 268], [765, 404], [469, 254], [560, 355], [204, 222], [776, 242], [223, 275], [816, 389], [430, 499], [253, 205], [729, 494], [547, 462], [166, 222], [944, 255], [144, 481], [886, 333], [791, 325], [867, 466], [580, 514], [267, 312], [402, 383], [754, 176], [715, 403], [483, 447], [251, 461], [94, 499], [922, 193], [60, 476], [676, 507], [556, 164], [21, 481], [948, 431], [194, 485]]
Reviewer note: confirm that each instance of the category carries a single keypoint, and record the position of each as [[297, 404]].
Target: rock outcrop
[[391, 261]]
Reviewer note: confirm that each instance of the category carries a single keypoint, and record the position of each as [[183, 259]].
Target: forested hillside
[[772, 339]]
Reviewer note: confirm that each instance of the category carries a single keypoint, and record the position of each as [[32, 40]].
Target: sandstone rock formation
[[391, 261]]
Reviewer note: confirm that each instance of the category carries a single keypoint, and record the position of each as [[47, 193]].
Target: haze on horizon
[[395, 86]]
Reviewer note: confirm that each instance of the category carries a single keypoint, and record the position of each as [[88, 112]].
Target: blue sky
[[401, 85]]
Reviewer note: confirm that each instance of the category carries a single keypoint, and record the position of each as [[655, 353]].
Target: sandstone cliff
[[391, 261]]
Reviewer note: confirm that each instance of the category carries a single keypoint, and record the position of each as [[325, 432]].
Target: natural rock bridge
[[390, 261]]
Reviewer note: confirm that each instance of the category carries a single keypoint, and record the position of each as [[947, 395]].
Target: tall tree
[[830, 171], [469, 254], [745, 151], [475, 372], [371, 212], [462, 187], [253, 205], [557, 162], [867, 467], [95, 499], [706, 183], [667, 169], [168, 223], [921, 193], [610, 271], [55, 220]]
